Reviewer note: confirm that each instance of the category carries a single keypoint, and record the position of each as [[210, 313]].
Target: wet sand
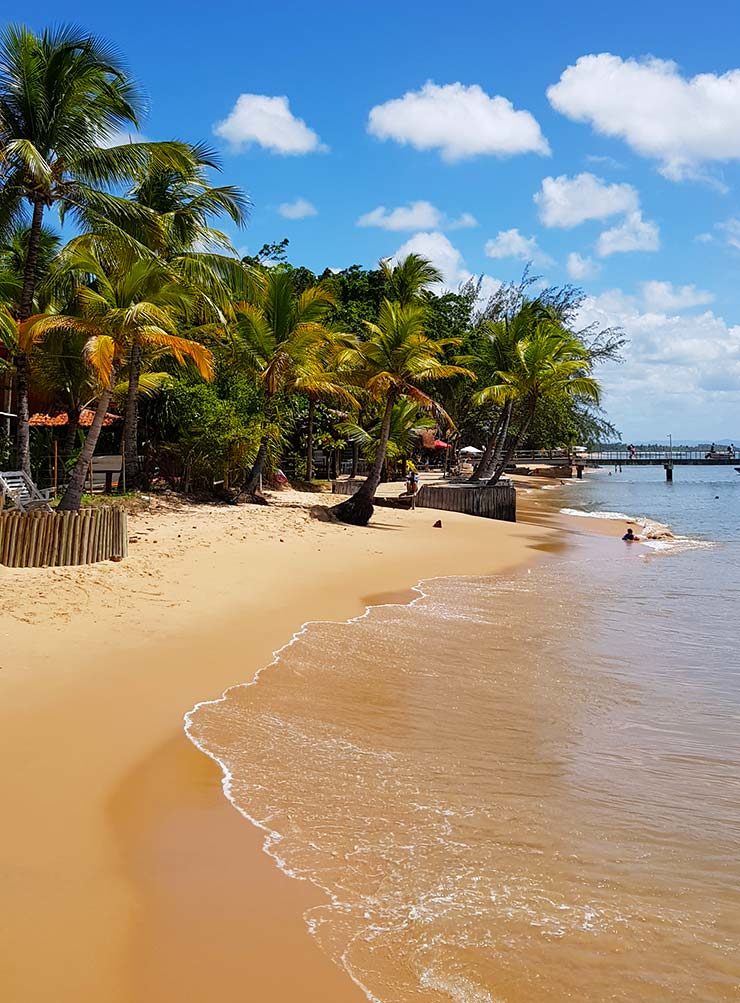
[[127, 876]]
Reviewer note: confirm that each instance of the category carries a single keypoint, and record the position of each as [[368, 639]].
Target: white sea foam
[[656, 535], [598, 515]]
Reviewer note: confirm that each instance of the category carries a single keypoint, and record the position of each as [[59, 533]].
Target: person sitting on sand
[[630, 537]]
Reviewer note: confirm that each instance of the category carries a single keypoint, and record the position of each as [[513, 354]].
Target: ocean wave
[[597, 515], [657, 536]]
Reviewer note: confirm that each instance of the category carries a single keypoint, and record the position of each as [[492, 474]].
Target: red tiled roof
[[61, 419]]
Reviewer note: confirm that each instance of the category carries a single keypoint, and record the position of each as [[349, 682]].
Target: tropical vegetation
[[209, 371]]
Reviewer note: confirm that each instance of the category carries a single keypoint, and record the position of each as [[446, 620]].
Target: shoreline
[[149, 840]]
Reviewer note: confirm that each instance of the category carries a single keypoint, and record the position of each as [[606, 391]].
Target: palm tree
[[409, 422], [407, 279], [549, 362], [185, 203], [277, 337], [397, 356], [64, 97], [495, 352], [121, 301], [13, 254], [324, 374]]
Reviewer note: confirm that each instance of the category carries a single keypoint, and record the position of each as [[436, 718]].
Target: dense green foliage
[[221, 369]]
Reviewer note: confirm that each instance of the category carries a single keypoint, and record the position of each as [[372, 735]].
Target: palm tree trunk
[[21, 359], [72, 497], [355, 459], [70, 435], [131, 471], [255, 474], [23, 431], [485, 461], [6, 401], [358, 509], [309, 438], [501, 439], [513, 445]]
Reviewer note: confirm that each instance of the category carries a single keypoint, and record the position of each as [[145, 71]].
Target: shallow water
[[516, 789]]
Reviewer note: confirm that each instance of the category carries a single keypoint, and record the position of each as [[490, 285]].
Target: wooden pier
[[678, 456]]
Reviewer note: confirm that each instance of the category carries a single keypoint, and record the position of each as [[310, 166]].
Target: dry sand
[[127, 877]]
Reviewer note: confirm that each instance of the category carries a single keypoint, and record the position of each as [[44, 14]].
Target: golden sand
[[127, 877]]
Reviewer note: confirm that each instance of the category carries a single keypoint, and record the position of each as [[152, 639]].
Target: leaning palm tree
[[64, 97], [409, 422], [277, 337], [550, 362], [121, 301], [394, 360], [495, 351]]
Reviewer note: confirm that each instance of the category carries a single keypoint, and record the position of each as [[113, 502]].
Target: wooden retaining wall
[[345, 487], [55, 539], [497, 502]]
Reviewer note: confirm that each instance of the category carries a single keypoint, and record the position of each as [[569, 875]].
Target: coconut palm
[[409, 422], [185, 203], [122, 300], [494, 352], [13, 255], [278, 338], [547, 363], [64, 97], [407, 279], [324, 374], [394, 360]]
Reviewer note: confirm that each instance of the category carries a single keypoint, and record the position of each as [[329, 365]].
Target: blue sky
[[643, 157]]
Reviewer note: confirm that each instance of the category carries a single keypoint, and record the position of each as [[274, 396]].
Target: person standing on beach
[[412, 486]]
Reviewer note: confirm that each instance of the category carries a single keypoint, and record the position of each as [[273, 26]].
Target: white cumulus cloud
[[458, 120], [267, 122], [298, 209], [683, 373], [567, 201], [664, 296], [633, 234], [415, 216], [580, 268], [438, 249], [513, 244], [464, 221], [682, 122]]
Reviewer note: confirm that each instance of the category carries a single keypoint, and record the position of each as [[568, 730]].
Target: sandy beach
[[127, 876]]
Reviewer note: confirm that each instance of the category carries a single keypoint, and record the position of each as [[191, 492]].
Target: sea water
[[523, 788]]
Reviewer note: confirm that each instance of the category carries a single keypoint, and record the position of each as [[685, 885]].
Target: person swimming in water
[[630, 537]]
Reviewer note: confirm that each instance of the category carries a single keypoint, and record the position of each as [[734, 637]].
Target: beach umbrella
[[471, 451], [441, 444]]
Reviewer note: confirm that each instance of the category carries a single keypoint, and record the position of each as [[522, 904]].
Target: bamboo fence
[[54, 539]]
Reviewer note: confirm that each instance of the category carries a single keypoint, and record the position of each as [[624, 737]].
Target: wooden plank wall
[[55, 539], [345, 487], [498, 502]]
